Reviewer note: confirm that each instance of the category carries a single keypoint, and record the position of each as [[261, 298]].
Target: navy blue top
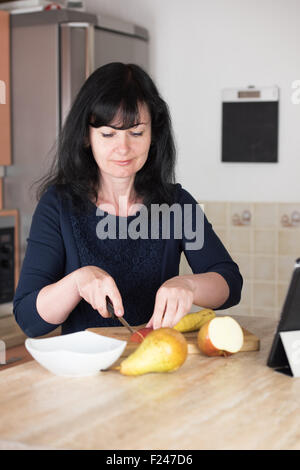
[[62, 240]]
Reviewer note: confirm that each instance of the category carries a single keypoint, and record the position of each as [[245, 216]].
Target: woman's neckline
[[105, 213]]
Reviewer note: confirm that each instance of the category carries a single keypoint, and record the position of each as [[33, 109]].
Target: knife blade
[[122, 320]]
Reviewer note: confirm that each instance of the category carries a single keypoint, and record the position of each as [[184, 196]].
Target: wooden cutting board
[[251, 342]]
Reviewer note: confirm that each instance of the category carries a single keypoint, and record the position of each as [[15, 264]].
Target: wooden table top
[[209, 403]]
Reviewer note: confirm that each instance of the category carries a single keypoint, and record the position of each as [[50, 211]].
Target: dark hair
[[112, 88]]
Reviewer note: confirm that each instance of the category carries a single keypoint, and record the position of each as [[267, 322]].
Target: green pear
[[163, 350]]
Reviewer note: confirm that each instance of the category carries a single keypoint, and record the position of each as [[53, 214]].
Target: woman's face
[[122, 153]]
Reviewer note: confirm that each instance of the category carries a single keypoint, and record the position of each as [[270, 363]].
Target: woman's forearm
[[210, 289], [56, 301]]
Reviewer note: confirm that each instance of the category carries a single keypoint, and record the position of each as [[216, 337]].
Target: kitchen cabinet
[[5, 107], [209, 403]]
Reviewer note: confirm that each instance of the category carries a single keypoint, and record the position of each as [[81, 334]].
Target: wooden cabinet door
[[5, 115]]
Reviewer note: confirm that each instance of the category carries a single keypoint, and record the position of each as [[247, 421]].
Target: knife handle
[[110, 308], [122, 320]]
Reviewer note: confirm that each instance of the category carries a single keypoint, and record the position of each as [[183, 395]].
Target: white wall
[[199, 47]]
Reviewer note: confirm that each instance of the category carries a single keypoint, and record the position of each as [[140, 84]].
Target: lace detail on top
[[135, 265]]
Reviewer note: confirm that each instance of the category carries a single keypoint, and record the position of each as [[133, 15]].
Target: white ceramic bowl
[[75, 354]]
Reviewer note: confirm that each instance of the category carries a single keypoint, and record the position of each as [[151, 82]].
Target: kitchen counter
[[209, 403]]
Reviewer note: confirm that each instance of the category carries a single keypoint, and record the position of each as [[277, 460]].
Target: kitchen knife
[[122, 320]]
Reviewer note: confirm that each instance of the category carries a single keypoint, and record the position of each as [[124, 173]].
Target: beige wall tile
[[285, 267], [289, 242], [265, 215], [184, 267], [264, 250], [264, 295], [246, 297], [222, 234], [281, 294], [264, 268], [244, 262], [265, 241], [239, 240], [266, 312], [216, 212]]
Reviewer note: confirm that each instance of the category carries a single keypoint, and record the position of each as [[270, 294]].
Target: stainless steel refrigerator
[[52, 53]]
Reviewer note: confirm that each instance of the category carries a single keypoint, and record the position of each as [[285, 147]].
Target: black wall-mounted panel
[[250, 131]]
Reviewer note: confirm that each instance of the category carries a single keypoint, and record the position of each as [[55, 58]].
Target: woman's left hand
[[173, 301]]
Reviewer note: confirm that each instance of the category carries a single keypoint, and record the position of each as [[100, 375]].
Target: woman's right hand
[[93, 285]]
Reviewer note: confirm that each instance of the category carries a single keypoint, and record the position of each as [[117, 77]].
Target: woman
[[115, 161]]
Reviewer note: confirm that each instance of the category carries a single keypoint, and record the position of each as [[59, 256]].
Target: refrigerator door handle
[[90, 49], [76, 61], [89, 44]]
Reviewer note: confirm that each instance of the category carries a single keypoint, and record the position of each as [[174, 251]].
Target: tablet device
[[289, 321]]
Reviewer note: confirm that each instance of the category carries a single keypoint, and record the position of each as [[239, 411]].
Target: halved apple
[[221, 336], [140, 334]]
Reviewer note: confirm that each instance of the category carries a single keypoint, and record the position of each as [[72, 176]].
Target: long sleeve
[[210, 254], [43, 264]]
